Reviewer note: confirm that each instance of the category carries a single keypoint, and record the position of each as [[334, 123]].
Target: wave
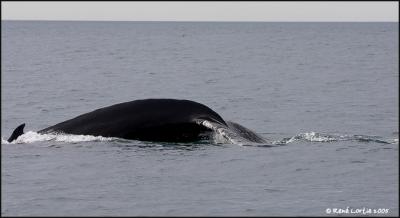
[[221, 135]]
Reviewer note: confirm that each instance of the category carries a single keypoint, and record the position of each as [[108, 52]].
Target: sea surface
[[324, 95]]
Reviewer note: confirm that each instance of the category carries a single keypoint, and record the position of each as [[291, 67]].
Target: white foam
[[308, 136], [30, 137], [3, 141], [320, 137], [316, 137], [394, 141]]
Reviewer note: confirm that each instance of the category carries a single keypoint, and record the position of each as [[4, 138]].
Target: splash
[[321, 137], [30, 137], [308, 136], [224, 135], [221, 134]]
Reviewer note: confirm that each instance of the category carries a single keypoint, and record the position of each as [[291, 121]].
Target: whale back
[[149, 119]]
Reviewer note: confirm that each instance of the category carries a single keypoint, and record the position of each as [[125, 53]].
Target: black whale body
[[168, 120]]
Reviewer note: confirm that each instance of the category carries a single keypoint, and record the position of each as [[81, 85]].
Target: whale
[[158, 120]]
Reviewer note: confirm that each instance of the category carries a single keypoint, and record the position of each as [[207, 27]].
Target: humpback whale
[[163, 120]]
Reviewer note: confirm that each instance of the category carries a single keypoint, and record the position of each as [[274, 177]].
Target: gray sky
[[202, 11]]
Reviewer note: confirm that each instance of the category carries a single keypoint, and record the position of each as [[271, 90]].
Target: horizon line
[[214, 21]]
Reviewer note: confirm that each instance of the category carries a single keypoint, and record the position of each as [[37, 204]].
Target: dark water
[[325, 95]]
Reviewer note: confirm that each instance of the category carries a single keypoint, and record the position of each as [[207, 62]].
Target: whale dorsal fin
[[17, 132]]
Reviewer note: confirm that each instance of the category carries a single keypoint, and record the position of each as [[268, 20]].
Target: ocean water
[[324, 95]]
